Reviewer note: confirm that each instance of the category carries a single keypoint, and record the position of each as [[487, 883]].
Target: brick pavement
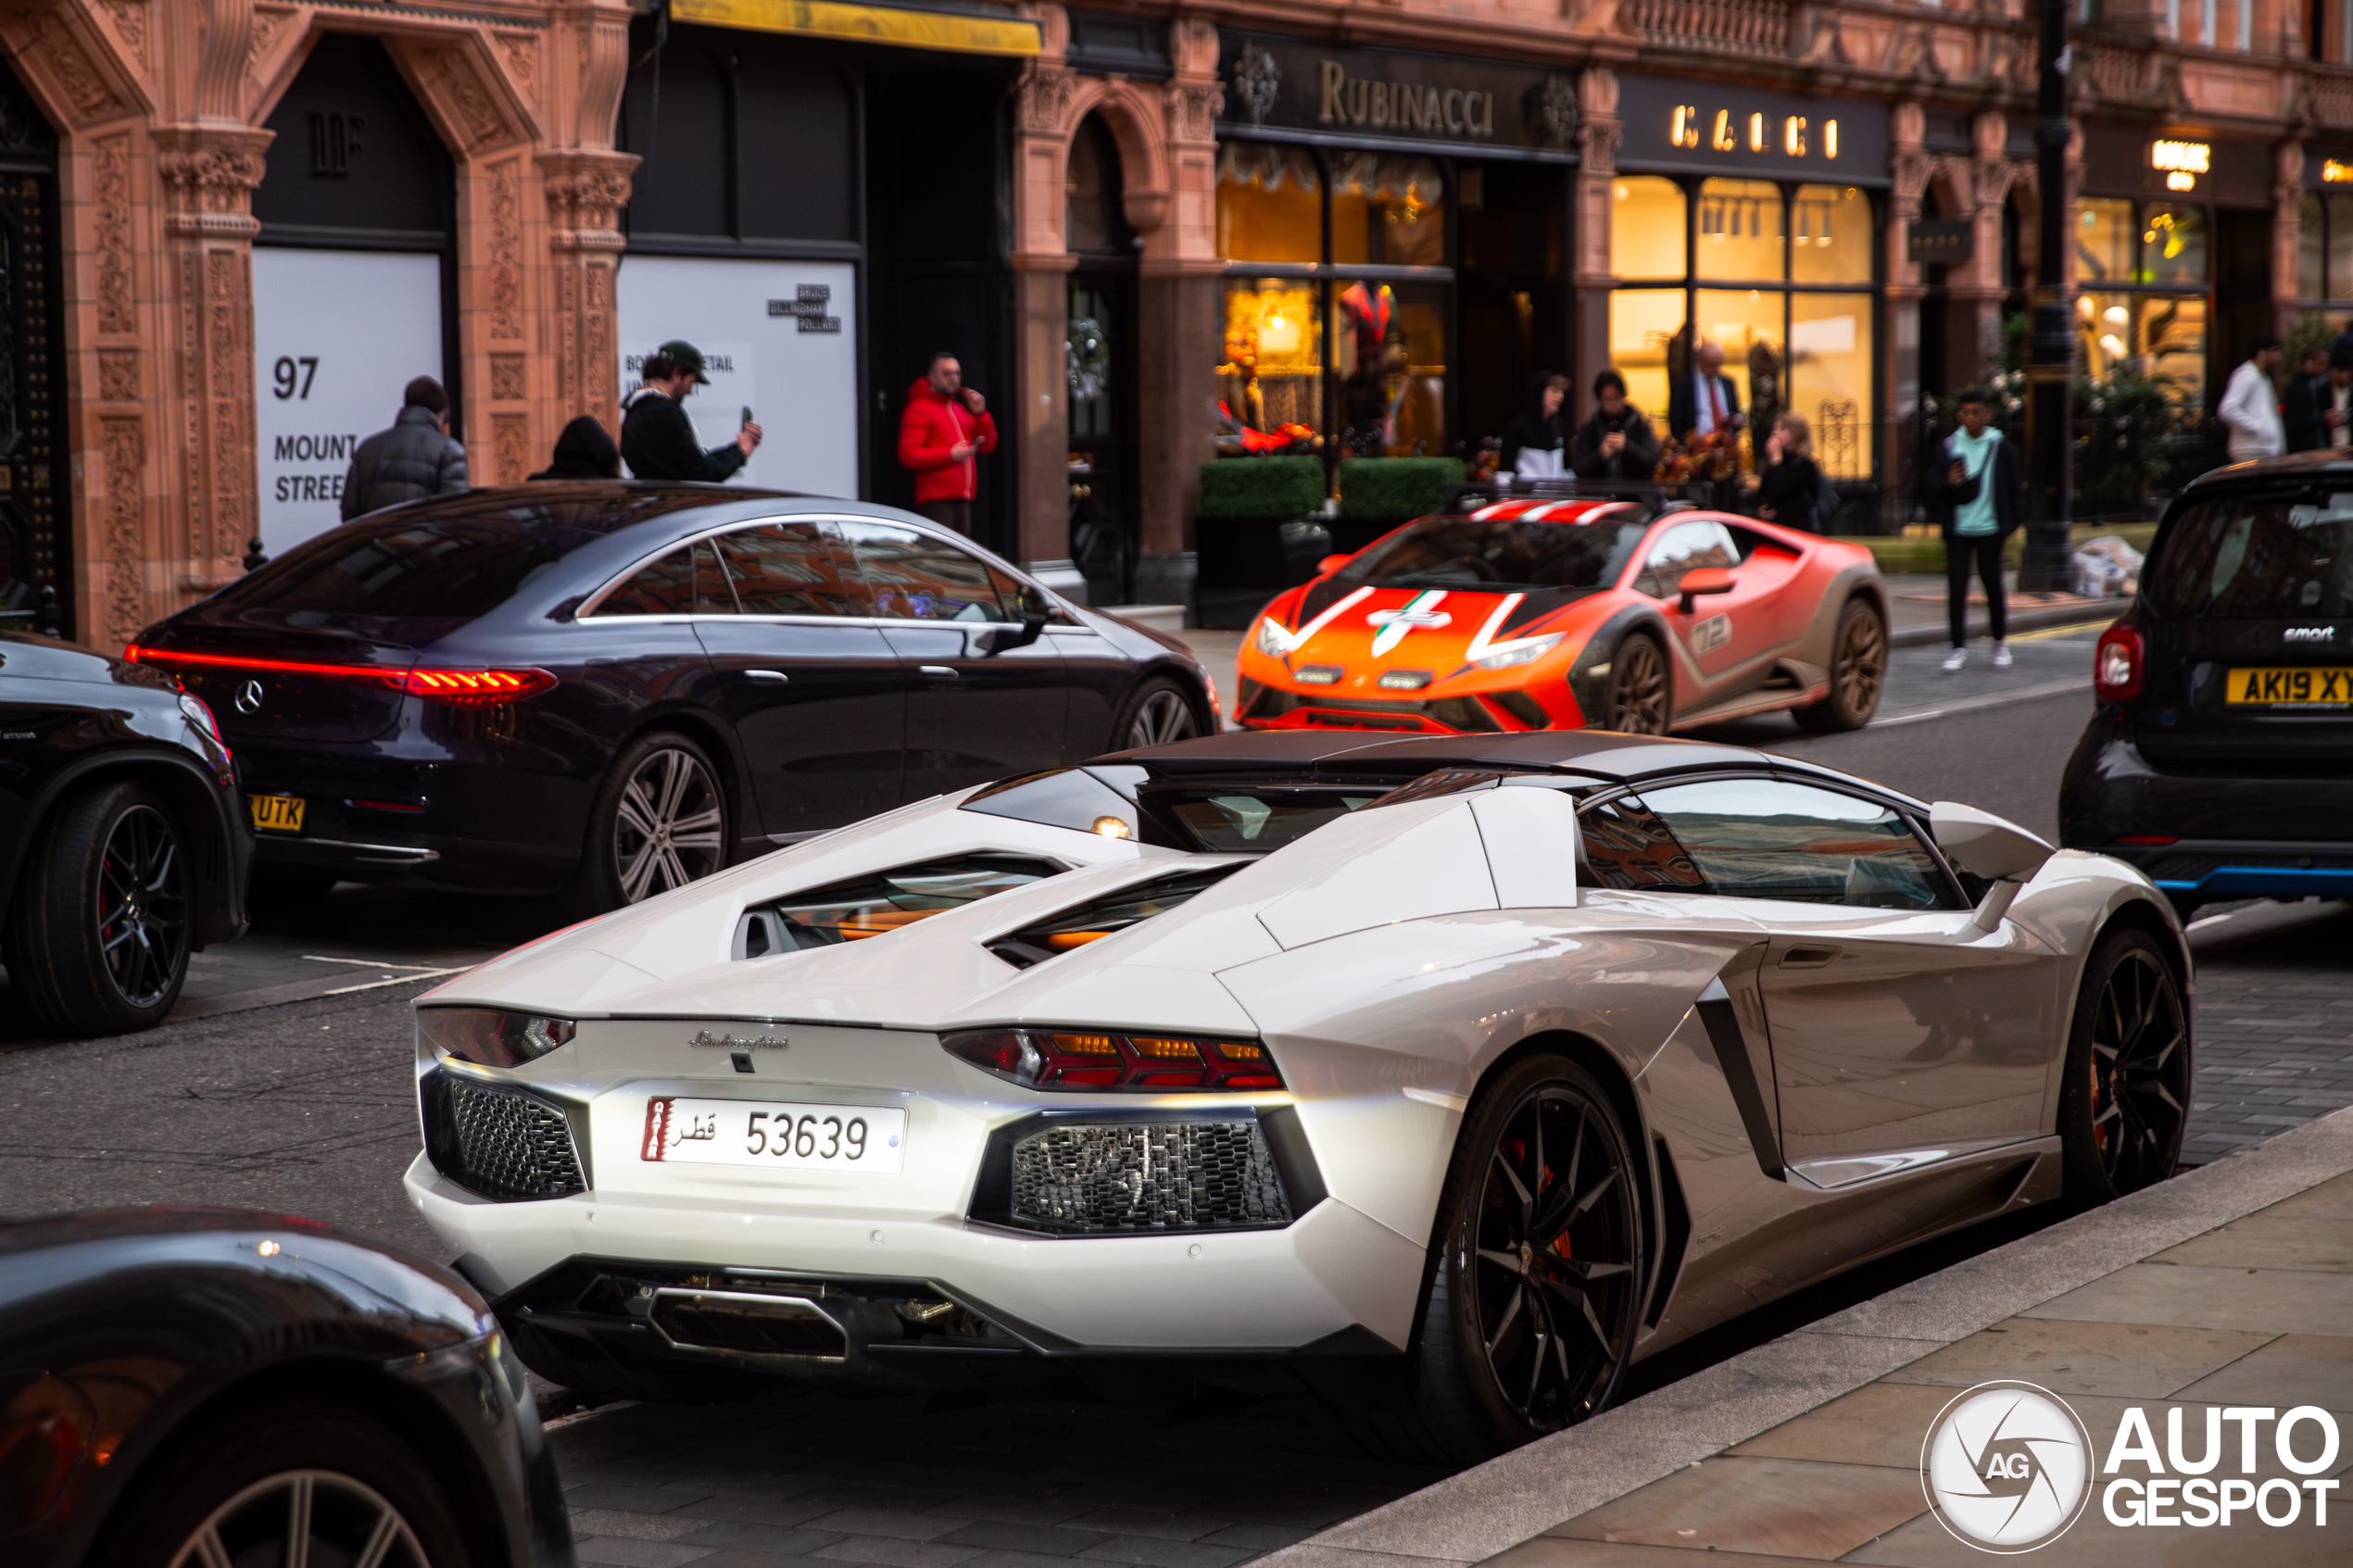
[[2275, 1036]]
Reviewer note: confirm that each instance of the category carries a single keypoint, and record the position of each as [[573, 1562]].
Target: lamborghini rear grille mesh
[[1147, 1176], [501, 1143]]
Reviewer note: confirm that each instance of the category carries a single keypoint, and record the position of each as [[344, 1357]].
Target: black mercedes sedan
[[123, 847], [2220, 758], [211, 1387], [609, 689]]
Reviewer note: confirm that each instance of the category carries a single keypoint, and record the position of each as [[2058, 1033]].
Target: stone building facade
[[137, 135]]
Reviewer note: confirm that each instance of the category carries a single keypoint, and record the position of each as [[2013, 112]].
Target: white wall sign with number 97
[[293, 374], [808, 1135]]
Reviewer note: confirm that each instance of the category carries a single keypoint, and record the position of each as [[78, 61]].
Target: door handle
[[1808, 957], [938, 671], [767, 674]]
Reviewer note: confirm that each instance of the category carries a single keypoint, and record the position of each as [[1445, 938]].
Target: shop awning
[[958, 33]]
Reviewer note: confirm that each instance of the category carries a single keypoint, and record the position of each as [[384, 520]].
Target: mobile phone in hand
[[747, 424]]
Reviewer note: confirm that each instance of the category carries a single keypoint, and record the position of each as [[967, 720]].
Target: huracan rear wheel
[[1641, 695], [1537, 1291], [2126, 1095], [1858, 672]]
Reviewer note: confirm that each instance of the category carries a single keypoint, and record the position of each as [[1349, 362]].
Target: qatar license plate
[[770, 1136], [276, 813], [2307, 686]]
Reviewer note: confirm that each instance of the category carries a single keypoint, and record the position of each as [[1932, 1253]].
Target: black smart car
[[123, 847], [611, 689], [2220, 759], [194, 1386]]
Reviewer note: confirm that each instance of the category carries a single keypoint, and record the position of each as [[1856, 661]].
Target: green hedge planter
[[1273, 488], [1395, 489]]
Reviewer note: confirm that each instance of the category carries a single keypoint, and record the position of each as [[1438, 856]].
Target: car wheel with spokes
[[1536, 1292], [1642, 699], [660, 821], [1858, 672], [301, 1481], [2126, 1095], [98, 939], [1156, 713]]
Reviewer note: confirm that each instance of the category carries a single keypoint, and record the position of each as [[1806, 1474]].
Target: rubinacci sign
[[1723, 128]]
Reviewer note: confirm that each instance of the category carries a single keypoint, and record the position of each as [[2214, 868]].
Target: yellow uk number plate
[[276, 813], [2310, 686]]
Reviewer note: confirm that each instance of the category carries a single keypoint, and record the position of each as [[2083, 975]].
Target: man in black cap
[[657, 439]]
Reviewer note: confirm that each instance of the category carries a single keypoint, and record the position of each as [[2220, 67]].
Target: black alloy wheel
[[2125, 1100], [1858, 672], [660, 821], [300, 1481], [98, 939], [1641, 697], [1536, 1296], [1156, 713]]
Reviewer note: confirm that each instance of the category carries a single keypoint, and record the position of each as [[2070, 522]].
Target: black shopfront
[[1395, 227]]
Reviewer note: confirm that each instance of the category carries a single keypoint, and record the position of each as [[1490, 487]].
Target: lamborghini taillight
[[1106, 1060]]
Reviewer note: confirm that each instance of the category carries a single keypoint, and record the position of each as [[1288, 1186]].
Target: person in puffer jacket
[[415, 458], [945, 429]]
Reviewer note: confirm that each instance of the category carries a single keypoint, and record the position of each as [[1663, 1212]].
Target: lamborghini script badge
[[1420, 611], [706, 1039]]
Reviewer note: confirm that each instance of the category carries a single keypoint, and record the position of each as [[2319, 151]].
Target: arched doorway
[[1100, 364], [355, 277], [36, 552]]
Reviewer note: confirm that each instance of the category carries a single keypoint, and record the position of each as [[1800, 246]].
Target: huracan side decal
[[1420, 611]]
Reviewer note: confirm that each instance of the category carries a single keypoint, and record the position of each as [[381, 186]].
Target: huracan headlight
[[1087, 1059], [1274, 640], [1528, 650], [489, 1039]]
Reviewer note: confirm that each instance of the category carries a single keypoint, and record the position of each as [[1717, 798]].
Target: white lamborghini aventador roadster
[[1461, 1071]]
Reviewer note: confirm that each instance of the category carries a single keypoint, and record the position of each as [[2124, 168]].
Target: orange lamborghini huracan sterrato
[[1554, 614]]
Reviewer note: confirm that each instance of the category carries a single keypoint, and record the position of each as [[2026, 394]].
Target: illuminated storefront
[[1756, 220], [1386, 219], [2172, 240], [2324, 237]]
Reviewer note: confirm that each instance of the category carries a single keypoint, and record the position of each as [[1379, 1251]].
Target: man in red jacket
[[940, 436]]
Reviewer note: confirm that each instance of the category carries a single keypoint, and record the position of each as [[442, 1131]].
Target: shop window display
[[2173, 246], [1830, 230], [1748, 325], [1388, 210], [2103, 236], [1389, 348], [1741, 236], [1270, 203], [1646, 234], [2103, 327], [1642, 324], [2324, 254], [1271, 381], [2158, 328], [1829, 376]]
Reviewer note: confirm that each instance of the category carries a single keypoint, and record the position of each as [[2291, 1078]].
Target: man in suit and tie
[[1705, 401]]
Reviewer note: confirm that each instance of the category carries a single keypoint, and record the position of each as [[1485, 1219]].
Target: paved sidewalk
[[2231, 1287]]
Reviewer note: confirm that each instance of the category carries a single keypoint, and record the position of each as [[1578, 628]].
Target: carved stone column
[[1975, 351], [1599, 132], [1179, 325], [1901, 353], [584, 191], [1036, 434], [209, 174], [2287, 204]]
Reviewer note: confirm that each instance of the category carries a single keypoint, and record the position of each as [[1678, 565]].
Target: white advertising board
[[336, 335], [779, 337]]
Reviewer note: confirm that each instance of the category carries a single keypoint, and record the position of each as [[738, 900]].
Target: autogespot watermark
[[2008, 1467]]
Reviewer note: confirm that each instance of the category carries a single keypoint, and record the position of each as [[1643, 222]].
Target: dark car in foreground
[[2220, 759], [122, 842], [611, 689], [181, 1386]]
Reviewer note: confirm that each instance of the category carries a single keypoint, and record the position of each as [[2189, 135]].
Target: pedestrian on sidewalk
[[945, 429], [1977, 494], [2250, 406], [1536, 442], [584, 451], [2300, 402], [2332, 394], [1616, 440], [1790, 490], [658, 438], [411, 460]]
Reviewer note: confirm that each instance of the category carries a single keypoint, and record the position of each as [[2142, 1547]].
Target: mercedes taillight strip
[[471, 687]]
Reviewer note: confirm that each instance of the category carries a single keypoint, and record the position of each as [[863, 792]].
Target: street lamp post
[[2051, 352]]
